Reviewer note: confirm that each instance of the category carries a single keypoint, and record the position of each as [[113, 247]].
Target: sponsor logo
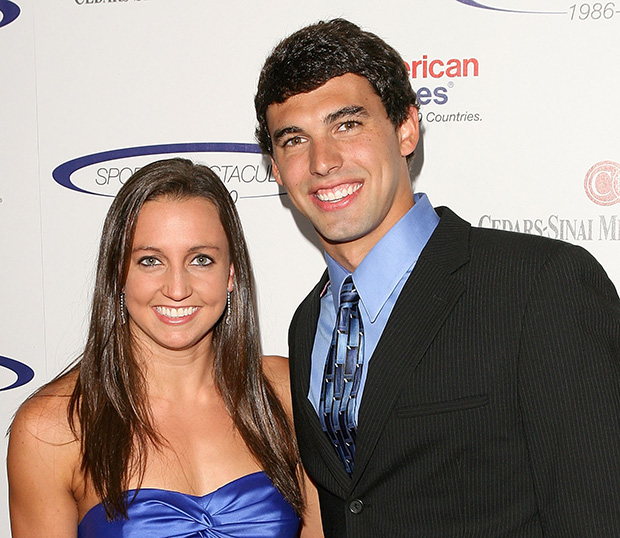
[[23, 371], [434, 79], [602, 186], [516, 6], [602, 183], [101, 2], [601, 228], [437, 68], [9, 11], [242, 168], [578, 11]]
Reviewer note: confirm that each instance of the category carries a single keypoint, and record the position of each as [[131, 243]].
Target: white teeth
[[176, 312], [338, 193]]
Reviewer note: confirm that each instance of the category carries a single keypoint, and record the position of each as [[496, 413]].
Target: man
[[477, 392]]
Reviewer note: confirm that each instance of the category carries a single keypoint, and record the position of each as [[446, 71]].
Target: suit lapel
[[304, 339], [425, 302]]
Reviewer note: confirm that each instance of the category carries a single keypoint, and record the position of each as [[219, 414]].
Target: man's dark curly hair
[[310, 57]]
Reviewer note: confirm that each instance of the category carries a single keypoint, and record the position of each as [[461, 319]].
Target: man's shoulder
[[502, 242], [478, 252], [509, 240]]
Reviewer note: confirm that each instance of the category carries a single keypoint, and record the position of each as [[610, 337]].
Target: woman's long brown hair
[[110, 401]]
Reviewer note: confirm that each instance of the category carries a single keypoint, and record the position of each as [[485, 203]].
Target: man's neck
[[351, 253]]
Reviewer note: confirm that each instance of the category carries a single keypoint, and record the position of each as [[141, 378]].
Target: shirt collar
[[389, 260]]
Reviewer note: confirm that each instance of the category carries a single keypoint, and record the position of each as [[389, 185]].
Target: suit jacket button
[[356, 506]]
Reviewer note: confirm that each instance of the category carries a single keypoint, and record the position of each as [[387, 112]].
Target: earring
[[228, 309], [123, 319]]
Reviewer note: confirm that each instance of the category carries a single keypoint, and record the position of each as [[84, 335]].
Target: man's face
[[343, 163]]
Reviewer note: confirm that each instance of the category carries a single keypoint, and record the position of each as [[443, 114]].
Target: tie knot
[[348, 293]]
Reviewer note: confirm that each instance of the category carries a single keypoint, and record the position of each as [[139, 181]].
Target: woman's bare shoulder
[[43, 462], [44, 415]]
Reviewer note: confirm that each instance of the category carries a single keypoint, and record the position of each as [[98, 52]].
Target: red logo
[[602, 183]]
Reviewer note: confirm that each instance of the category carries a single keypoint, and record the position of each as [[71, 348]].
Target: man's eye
[[348, 125], [294, 141], [149, 261], [201, 260]]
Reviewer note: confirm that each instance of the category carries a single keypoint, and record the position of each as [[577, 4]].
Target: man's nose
[[325, 156]]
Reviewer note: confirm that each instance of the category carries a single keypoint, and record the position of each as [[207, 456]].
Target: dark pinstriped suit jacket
[[492, 406]]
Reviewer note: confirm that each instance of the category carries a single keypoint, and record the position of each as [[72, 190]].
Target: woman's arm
[[276, 370], [43, 456], [311, 525]]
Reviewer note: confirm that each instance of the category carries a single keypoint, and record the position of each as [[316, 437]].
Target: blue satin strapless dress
[[249, 507]]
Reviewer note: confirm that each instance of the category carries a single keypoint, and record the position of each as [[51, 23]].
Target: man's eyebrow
[[346, 111], [281, 133]]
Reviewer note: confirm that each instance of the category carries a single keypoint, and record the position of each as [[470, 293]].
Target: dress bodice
[[249, 507]]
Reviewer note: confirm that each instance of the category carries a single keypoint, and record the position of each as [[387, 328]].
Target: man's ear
[[409, 132], [275, 170]]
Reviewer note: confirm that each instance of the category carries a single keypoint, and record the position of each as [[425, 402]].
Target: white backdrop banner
[[520, 122]]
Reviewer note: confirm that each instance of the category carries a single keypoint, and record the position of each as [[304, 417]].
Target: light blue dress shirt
[[379, 279]]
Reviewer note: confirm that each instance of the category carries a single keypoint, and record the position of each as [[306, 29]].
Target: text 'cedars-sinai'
[[603, 228]]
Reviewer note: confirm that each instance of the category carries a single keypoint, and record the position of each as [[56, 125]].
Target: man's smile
[[337, 193]]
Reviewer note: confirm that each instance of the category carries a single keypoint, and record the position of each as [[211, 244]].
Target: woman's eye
[[201, 260], [149, 261]]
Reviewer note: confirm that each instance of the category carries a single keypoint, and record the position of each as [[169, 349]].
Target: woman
[[171, 423]]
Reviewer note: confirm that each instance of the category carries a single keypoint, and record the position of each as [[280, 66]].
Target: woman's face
[[179, 273]]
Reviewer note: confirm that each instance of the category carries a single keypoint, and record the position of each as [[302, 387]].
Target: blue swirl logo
[[241, 167], [9, 11], [23, 371], [489, 4]]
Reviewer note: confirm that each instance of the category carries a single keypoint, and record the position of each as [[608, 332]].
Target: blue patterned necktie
[[341, 379]]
